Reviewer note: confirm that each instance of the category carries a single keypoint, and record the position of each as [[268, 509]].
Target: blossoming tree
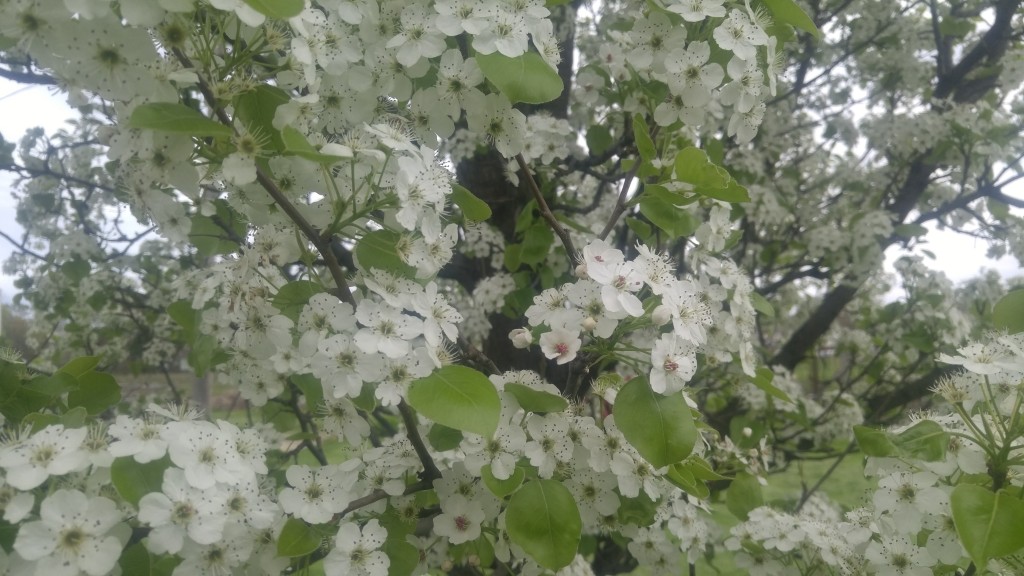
[[511, 287]]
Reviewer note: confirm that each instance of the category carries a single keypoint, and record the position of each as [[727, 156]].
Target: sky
[[21, 108]]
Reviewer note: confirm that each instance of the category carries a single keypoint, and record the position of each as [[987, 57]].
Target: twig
[[321, 244], [561, 232], [620, 203], [430, 470]]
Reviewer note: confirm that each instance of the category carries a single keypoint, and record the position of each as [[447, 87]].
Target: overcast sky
[[21, 108]]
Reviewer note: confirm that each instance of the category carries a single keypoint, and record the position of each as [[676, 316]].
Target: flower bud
[[661, 315], [589, 324], [581, 270], [747, 432], [521, 338]]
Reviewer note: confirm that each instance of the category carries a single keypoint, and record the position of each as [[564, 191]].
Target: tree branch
[[561, 232]]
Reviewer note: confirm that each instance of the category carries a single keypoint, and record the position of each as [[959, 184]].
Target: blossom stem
[[559, 231]]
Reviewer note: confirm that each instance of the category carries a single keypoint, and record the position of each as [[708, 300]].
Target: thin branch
[[28, 78], [620, 203], [561, 232], [430, 470], [21, 247]]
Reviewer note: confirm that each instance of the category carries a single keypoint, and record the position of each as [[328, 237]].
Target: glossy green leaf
[[296, 144], [762, 305], [280, 9], [297, 539], [763, 380], [502, 488], [526, 78], [542, 518], [136, 560], [693, 166], [379, 249], [873, 442], [403, 557], [293, 297], [458, 397], [133, 480], [642, 137], [683, 478], [533, 400], [674, 221], [1008, 313], [81, 365], [443, 438], [744, 494], [788, 12], [925, 440], [473, 208], [186, 317], [910, 230], [536, 246], [599, 139], [255, 110], [988, 523], [177, 118], [660, 427], [96, 392]]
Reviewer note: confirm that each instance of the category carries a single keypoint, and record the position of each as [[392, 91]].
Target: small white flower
[[560, 345], [71, 535], [53, 451], [357, 552], [459, 520]]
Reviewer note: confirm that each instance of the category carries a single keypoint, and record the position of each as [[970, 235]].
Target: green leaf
[[217, 234], [293, 297], [205, 354], [988, 523], [137, 561], [186, 317], [743, 495], [311, 388], [762, 305], [458, 397], [1008, 313], [473, 208], [255, 110], [873, 442], [297, 539], [787, 12], [81, 365], [133, 480], [599, 139], [96, 392], [403, 556], [682, 477], [76, 269], [694, 167], [537, 241], [542, 518], [526, 78], [443, 438], [502, 488], [642, 137], [533, 400], [177, 118], [296, 144], [674, 221], [379, 249], [660, 427], [925, 440], [910, 230], [279, 9], [763, 380]]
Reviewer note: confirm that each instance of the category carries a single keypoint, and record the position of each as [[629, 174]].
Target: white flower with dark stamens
[[459, 520], [357, 552], [71, 535], [53, 451]]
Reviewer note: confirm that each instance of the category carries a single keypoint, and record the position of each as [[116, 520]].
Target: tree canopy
[[513, 286]]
